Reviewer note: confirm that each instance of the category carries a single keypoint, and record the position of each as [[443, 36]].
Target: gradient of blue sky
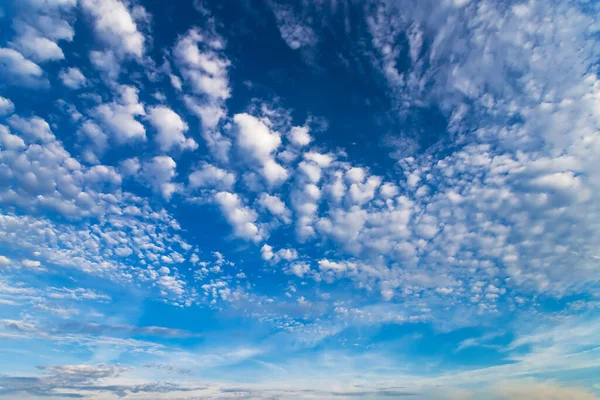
[[308, 200]]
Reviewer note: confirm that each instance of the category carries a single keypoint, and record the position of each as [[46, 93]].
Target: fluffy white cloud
[[206, 70], [72, 78], [258, 143], [128, 223], [119, 116], [35, 128], [322, 160], [355, 175], [266, 252], [18, 70], [242, 218], [300, 269], [130, 167], [39, 26], [275, 206], [211, 176], [107, 62], [388, 190], [10, 141], [6, 106], [170, 129], [115, 26], [201, 61], [210, 114], [299, 136], [38, 48], [32, 264], [97, 139], [310, 170], [334, 266], [275, 257], [39, 174], [159, 173]]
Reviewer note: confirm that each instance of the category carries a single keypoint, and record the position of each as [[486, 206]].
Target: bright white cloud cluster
[[6, 106], [119, 117], [39, 28], [210, 176], [72, 78], [240, 216], [17, 69], [200, 60], [170, 129], [258, 143], [115, 26]]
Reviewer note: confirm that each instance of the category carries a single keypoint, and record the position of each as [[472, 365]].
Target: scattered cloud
[[170, 129], [18, 70], [72, 78]]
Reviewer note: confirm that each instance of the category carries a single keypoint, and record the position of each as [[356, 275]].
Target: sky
[[315, 199]]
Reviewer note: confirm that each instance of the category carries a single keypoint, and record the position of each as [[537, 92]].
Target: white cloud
[[6, 106], [170, 129], [275, 257], [206, 70], [38, 48], [35, 128], [334, 266], [176, 82], [159, 173], [203, 65], [130, 166], [210, 114], [266, 252], [258, 143], [72, 78], [115, 26], [171, 284], [299, 136], [242, 218], [300, 269], [388, 190], [39, 26], [107, 62], [211, 176], [361, 193], [32, 264], [355, 175], [322, 160], [275, 206], [18, 70], [98, 140], [119, 116], [311, 171], [10, 141], [4, 260]]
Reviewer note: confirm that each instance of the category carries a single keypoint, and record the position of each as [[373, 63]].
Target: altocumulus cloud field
[[317, 199]]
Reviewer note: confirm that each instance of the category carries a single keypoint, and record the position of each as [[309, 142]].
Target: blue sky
[[303, 200]]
